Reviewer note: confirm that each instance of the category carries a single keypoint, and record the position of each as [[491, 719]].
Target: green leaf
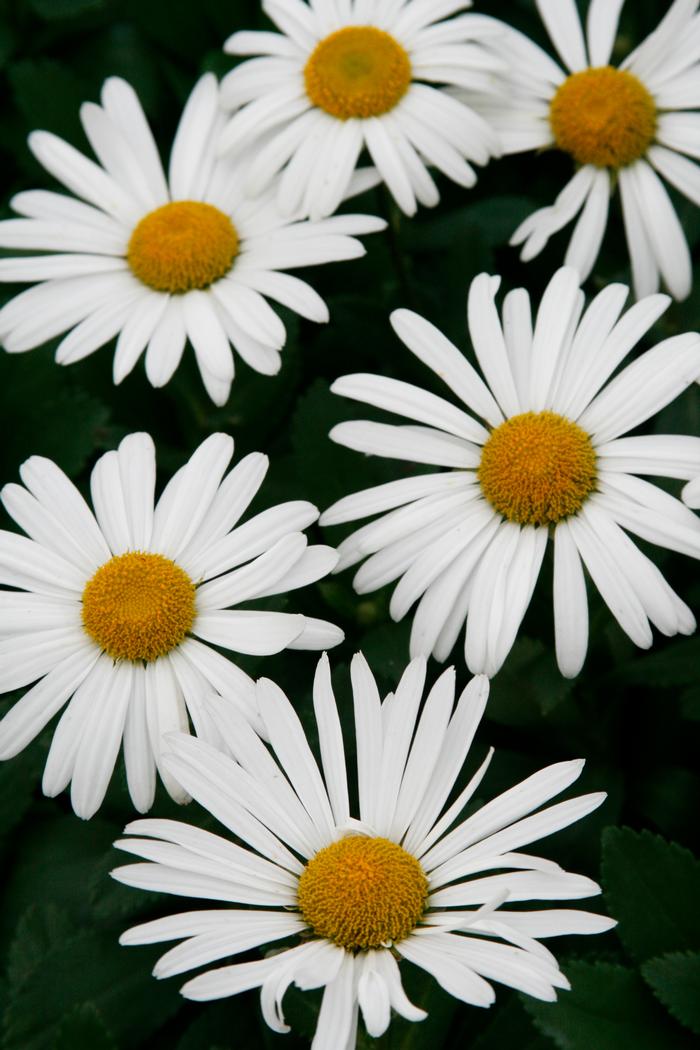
[[662, 796], [48, 95], [8, 42], [55, 10], [41, 928], [606, 1008], [690, 703], [18, 782], [213, 1028], [59, 419], [675, 980], [508, 1026], [84, 1029], [386, 650], [652, 888], [54, 863], [89, 967], [496, 218], [529, 687], [675, 665]]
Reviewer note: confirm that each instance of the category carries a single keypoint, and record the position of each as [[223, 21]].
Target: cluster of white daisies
[[116, 614]]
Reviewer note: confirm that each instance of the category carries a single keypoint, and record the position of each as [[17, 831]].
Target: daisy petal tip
[[359, 660], [400, 316], [336, 433], [326, 518], [482, 683], [126, 939], [571, 670], [85, 809], [230, 44], [691, 494], [37, 139]]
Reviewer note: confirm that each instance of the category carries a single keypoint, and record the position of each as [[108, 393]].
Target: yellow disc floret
[[362, 892], [182, 246], [358, 71], [138, 606], [537, 468], [603, 116]]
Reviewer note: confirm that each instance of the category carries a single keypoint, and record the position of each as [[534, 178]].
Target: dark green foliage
[[607, 1007], [675, 980], [651, 888]]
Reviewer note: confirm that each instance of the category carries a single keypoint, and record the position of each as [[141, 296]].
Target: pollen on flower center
[[358, 71], [182, 246], [537, 468], [138, 606], [362, 892], [603, 116]]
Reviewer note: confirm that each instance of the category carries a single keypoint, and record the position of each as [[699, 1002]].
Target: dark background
[[634, 715]]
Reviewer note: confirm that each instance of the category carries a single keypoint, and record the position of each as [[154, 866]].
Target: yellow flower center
[[603, 116], [537, 468], [362, 893], [182, 246], [358, 71], [138, 606]]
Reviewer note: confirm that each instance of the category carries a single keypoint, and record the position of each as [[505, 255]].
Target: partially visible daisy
[[341, 77], [548, 460], [622, 126], [410, 879], [157, 261], [117, 613]]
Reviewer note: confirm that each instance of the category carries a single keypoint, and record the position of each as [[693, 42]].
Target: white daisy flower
[[117, 614], [410, 879], [344, 75], [157, 261], [546, 456], [629, 126]]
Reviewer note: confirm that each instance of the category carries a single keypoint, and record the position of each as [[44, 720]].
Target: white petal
[[390, 495], [611, 582], [558, 303], [430, 346], [643, 388], [166, 340], [456, 979], [368, 735], [330, 739], [415, 443], [28, 716], [601, 29], [189, 494], [564, 27], [138, 754], [386, 157], [570, 604], [393, 395], [100, 741], [289, 742], [191, 138], [82, 176], [663, 229], [253, 632], [645, 272], [489, 342], [587, 238]]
